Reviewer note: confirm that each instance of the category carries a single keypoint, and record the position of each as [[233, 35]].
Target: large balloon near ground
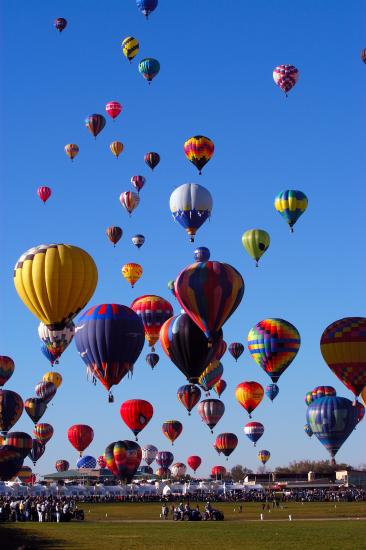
[[44, 273], [123, 459], [209, 292], [343, 346], [11, 408], [11, 461]]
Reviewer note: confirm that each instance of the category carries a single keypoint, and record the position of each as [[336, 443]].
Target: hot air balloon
[[164, 458], [273, 344], [191, 205], [95, 124], [211, 411], [152, 359], [11, 408], [116, 147], [291, 204], [20, 441], [152, 159], [138, 240], [285, 76], [343, 346], [56, 340], [187, 346], [25, 474], [80, 436], [163, 473], [113, 109], [199, 150], [86, 462], [220, 387], [35, 408], [236, 349], [101, 462], [109, 338], [54, 377], [249, 395], [360, 412], [201, 254], [308, 430], [43, 432], [146, 470], [271, 391], [256, 242], [218, 472], [11, 461], [132, 273], [36, 451], [71, 150], [308, 398], [226, 443], [153, 312], [149, 68], [74, 277], [60, 24], [46, 391], [48, 354], [194, 462], [129, 200], [211, 375], [332, 420], [254, 431], [170, 285], [149, 453], [136, 414], [7, 367], [62, 465], [196, 286], [264, 456], [123, 459], [324, 391], [172, 429], [138, 182], [363, 55], [130, 47], [221, 350], [178, 469], [114, 233], [44, 193], [189, 395], [146, 6]]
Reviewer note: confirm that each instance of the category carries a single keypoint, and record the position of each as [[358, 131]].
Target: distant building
[[349, 478], [82, 475]]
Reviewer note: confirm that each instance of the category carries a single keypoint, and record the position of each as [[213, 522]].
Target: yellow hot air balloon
[[132, 273], [256, 242], [54, 377], [116, 147], [71, 149], [130, 47], [55, 281]]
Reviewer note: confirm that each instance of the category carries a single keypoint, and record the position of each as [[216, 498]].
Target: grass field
[[137, 526]]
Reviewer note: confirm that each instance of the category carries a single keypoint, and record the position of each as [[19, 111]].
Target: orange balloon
[[249, 395]]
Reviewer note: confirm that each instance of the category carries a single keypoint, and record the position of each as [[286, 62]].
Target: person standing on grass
[[58, 512], [164, 511], [40, 517]]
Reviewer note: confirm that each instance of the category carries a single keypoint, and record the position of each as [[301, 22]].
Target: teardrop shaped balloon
[[149, 68], [147, 6], [20, 441], [236, 349], [220, 387], [138, 182], [56, 340], [60, 24], [130, 47], [136, 414], [191, 205], [152, 359], [11, 408], [343, 346], [153, 312], [95, 124], [332, 420], [199, 150], [114, 234], [211, 411], [7, 368], [194, 462], [189, 395], [249, 395], [254, 431], [43, 432], [211, 375], [132, 273], [11, 461], [101, 462], [44, 193], [226, 443], [201, 254], [116, 148], [209, 292], [273, 344], [285, 76], [73, 274], [179, 470], [62, 465], [54, 377], [152, 159], [264, 456], [172, 429], [129, 200], [291, 204], [80, 436], [123, 459], [113, 109], [256, 242], [271, 391], [218, 472], [35, 407], [71, 150], [149, 453], [164, 458], [36, 451], [46, 391], [138, 240]]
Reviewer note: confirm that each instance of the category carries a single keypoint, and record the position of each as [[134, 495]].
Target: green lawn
[[237, 531]]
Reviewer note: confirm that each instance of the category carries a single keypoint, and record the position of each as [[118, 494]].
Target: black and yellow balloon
[[256, 242], [130, 47], [55, 281]]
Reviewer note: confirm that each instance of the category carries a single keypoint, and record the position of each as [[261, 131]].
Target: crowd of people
[[39, 509]]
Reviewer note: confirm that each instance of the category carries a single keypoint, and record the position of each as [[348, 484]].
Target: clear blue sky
[[216, 79]]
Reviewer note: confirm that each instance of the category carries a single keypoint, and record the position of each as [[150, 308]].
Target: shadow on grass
[[20, 539]]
